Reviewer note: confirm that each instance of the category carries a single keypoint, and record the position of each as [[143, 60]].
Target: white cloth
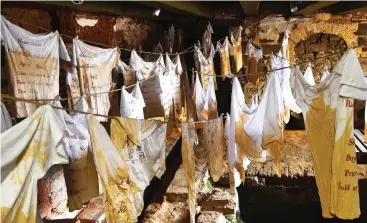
[[252, 51], [95, 66], [33, 62], [325, 73], [6, 122], [28, 150], [277, 62], [129, 75], [205, 103], [132, 105], [309, 75], [174, 70], [156, 87]]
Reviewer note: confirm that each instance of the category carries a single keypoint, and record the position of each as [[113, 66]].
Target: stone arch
[[345, 31]]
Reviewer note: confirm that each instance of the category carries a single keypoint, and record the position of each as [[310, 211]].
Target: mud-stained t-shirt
[[33, 63], [328, 111]]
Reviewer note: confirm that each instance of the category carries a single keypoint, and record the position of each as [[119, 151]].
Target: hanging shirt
[[174, 70], [122, 197], [156, 87], [284, 74], [205, 66], [237, 50], [28, 150], [80, 174], [206, 104], [214, 143], [33, 63], [95, 66], [132, 105], [309, 76], [6, 122], [328, 113], [189, 138], [225, 66]]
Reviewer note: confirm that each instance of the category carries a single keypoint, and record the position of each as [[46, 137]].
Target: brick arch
[[345, 31]]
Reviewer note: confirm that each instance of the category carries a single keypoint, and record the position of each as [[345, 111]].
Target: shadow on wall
[[289, 200]]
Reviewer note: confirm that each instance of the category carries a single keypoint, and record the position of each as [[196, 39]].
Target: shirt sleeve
[[62, 50], [353, 84]]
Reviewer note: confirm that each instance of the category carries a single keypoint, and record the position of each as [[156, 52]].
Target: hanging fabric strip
[[214, 143], [188, 164], [237, 49]]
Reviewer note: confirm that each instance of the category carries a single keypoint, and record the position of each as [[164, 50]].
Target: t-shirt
[[237, 50], [328, 112], [33, 63], [95, 66], [225, 66], [174, 70], [132, 105], [206, 104], [28, 150], [205, 66]]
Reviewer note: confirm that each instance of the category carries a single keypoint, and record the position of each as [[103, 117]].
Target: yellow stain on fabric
[[225, 67], [125, 130], [237, 54], [320, 126], [344, 186], [188, 164]]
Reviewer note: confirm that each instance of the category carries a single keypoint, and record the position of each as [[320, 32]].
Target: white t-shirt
[[33, 61], [132, 105]]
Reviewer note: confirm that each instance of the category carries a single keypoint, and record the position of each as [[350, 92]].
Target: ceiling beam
[[315, 7], [250, 8], [113, 8], [346, 7], [190, 7]]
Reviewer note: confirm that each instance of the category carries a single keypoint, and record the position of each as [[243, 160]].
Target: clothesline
[[96, 43]]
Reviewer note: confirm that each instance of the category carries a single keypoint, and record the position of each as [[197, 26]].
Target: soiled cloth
[[234, 176], [6, 122], [277, 62], [309, 75], [325, 73], [132, 105], [238, 149], [142, 146], [174, 69], [206, 40], [81, 177], [265, 128], [95, 67], [206, 104], [328, 112], [237, 50], [33, 63], [123, 198], [156, 88], [28, 150], [205, 66], [188, 164], [214, 143], [225, 66]]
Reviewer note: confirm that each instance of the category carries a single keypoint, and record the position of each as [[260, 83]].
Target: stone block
[[219, 200], [93, 212], [176, 194], [211, 217], [362, 29], [268, 49], [318, 47]]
